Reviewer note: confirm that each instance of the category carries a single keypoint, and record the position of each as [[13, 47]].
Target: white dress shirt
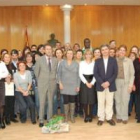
[[15, 63], [86, 69], [47, 58], [105, 64], [3, 70]]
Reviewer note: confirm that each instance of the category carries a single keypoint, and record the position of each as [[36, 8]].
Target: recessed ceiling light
[[47, 4], [85, 4]]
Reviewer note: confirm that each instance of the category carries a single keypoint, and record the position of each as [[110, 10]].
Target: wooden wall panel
[[104, 23], [41, 22], [99, 23]]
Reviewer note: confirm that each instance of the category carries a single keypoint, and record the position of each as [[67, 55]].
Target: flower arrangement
[[56, 125]]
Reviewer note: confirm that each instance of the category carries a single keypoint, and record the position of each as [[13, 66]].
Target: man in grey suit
[[45, 71]]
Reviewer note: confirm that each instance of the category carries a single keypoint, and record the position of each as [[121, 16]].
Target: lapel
[[108, 65], [52, 63], [45, 62], [14, 67], [103, 66], [125, 65]]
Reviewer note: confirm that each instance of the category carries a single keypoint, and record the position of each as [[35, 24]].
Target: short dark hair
[[86, 39], [113, 49], [47, 45], [59, 50], [34, 46], [79, 51], [104, 45], [96, 49], [40, 46], [14, 51]]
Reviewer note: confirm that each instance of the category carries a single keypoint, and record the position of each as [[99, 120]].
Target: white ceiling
[[72, 2]]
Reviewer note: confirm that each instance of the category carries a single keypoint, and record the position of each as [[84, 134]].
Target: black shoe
[[41, 124], [90, 119], [23, 121], [7, 121], [138, 121], [129, 114], [15, 116], [111, 122], [100, 123], [86, 119], [34, 122], [14, 120], [3, 125], [45, 117]]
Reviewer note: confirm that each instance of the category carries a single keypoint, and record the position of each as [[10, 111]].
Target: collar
[[48, 57]]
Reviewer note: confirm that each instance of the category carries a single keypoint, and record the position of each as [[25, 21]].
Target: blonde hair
[[88, 51]]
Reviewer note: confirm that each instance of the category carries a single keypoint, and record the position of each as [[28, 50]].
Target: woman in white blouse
[[3, 74], [87, 93]]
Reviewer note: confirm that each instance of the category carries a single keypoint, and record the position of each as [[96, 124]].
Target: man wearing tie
[[45, 71], [105, 72]]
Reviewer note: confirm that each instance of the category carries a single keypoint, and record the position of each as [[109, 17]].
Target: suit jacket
[[137, 75], [14, 68], [110, 76], [46, 80], [128, 71]]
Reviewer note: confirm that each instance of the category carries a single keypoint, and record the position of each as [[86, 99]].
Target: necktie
[[49, 63]]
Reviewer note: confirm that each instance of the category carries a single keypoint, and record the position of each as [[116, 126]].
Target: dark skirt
[[87, 95], [2, 93]]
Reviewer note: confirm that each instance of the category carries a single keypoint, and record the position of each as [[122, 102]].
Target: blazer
[[46, 80], [110, 76], [14, 69], [129, 71]]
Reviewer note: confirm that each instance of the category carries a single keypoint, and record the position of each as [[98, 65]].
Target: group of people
[[89, 81]]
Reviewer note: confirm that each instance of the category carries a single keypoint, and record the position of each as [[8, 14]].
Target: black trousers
[[138, 105], [9, 106]]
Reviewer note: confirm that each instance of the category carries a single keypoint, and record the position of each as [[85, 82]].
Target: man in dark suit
[[105, 72], [14, 57], [14, 61]]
